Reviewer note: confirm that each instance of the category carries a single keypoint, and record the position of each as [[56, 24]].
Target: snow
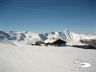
[[29, 38], [75, 43], [27, 58]]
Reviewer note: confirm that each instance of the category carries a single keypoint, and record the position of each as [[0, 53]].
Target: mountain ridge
[[32, 37]]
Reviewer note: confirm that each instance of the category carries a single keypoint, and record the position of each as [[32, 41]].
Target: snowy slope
[[28, 58], [77, 37], [4, 36]]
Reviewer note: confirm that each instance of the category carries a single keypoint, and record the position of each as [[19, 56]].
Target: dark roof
[[59, 40]]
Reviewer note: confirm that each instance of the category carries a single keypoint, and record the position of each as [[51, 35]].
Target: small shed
[[58, 42]]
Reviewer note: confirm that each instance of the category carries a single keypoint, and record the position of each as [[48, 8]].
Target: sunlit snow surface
[[27, 58]]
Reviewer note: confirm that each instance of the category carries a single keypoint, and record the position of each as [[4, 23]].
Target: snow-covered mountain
[[32, 37]]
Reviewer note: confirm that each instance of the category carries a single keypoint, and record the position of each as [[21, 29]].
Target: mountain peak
[[31, 37]]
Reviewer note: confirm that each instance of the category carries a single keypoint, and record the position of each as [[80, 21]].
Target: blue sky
[[48, 15]]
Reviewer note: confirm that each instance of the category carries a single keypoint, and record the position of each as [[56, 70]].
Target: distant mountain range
[[32, 37]]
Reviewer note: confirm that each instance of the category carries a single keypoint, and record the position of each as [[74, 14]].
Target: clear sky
[[48, 15]]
